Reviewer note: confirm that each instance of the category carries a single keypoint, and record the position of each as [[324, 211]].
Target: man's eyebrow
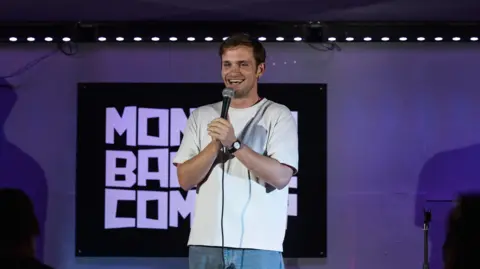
[[241, 61]]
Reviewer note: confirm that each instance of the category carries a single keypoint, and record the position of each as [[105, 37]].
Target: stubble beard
[[242, 93]]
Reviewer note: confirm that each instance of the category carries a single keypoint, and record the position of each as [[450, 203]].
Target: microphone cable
[[222, 161]]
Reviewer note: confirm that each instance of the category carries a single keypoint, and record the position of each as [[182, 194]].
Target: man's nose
[[235, 68]]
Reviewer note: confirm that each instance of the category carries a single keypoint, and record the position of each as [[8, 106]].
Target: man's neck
[[245, 102]]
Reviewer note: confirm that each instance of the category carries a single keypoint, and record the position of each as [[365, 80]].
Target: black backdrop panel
[[135, 225]]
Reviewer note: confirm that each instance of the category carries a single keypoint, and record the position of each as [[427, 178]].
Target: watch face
[[236, 145]]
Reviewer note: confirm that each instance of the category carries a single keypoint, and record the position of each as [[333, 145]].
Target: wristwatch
[[235, 146]]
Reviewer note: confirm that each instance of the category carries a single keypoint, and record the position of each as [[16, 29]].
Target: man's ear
[[260, 70]]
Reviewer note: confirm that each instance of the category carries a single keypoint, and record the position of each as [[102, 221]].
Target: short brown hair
[[243, 39]]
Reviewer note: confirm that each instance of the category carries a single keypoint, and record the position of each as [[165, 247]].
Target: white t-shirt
[[255, 213]]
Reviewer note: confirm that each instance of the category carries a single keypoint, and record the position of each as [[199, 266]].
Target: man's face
[[239, 70]]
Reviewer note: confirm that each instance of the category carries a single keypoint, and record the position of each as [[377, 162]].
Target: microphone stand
[[427, 217]]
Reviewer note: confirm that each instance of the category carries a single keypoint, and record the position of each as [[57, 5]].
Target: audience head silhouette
[[18, 229], [461, 246], [19, 226]]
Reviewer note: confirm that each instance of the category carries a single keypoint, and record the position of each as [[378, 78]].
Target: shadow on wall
[[442, 178], [18, 169]]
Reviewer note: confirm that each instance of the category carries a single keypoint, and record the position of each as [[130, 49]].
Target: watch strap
[[232, 148]]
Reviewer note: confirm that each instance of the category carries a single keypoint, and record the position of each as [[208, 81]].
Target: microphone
[[227, 94]]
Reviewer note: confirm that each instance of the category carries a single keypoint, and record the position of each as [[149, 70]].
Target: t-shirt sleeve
[[283, 143], [189, 147]]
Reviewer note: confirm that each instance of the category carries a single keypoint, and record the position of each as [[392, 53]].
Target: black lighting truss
[[402, 32], [153, 32], [89, 32]]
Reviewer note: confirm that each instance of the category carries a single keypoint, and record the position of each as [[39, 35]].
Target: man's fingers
[[215, 130], [222, 122], [218, 126]]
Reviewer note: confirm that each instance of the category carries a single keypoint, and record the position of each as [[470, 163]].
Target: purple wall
[[402, 128]]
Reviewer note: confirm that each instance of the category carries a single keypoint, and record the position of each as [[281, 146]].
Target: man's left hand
[[222, 130]]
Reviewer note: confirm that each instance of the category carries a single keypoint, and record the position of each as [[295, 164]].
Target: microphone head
[[228, 93]]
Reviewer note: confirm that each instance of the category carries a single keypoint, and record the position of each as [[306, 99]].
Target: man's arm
[[192, 172], [281, 161], [272, 171], [193, 164]]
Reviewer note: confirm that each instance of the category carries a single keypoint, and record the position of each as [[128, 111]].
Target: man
[[18, 229], [245, 228]]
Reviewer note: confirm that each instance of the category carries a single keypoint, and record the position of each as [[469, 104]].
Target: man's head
[[243, 63], [19, 225]]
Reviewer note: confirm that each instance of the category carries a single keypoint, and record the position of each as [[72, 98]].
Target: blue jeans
[[201, 257]]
